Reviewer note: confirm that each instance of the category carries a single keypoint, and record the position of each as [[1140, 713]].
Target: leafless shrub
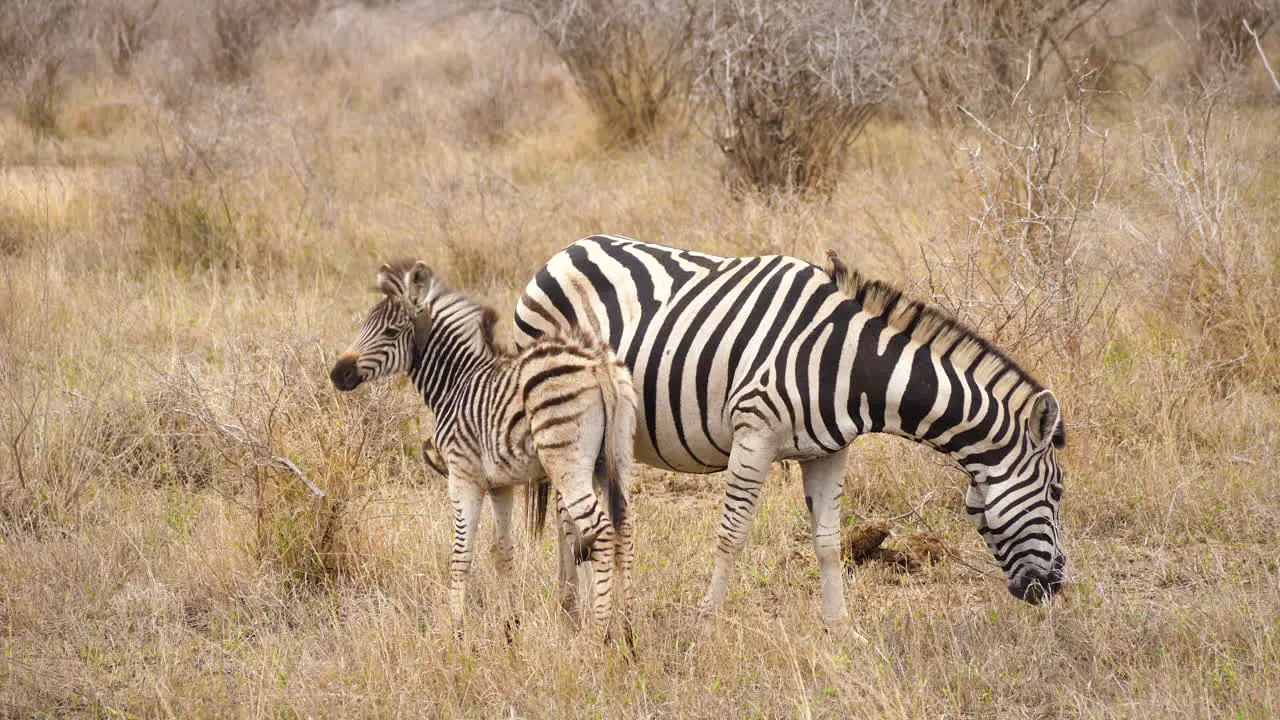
[[631, 59], [43, 91], [195, 211], [46, 439], [35, 44], [124, 27], [463, 231], [302, 461], [495, 102], [15, 232], [1224, 45], [980, 53], [194, 227], [240, 26], [1220, 270], [791, 85], [143, 441], [1028, 278]]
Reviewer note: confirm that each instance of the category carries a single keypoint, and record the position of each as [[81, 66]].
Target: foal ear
[[417, 284], [1046, 421], [388, 281]]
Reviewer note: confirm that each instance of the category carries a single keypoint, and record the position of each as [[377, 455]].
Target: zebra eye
[[390, 332]]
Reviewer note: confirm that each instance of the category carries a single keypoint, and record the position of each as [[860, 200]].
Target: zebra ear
[[387, 281], [1046, 421], [417, 284]]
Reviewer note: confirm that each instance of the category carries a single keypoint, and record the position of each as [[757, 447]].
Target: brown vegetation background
[[194, 198]]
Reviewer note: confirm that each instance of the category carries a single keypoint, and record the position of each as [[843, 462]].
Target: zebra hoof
[[707, 608], [509, 628], [838, 618], [845, 631], [629, 636]]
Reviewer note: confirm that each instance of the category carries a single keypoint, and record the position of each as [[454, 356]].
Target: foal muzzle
[[345, 375]]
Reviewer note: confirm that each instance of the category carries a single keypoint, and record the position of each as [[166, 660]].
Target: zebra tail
[[535, 507], [607, 460]]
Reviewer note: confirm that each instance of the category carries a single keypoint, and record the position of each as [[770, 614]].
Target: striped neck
[[974, 415], [458, 347], [935, 381]]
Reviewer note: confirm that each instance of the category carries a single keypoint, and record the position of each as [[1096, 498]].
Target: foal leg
[[625, 538], [595, 530], [570, 467], [503, 551], [466, 499], [569, 561], [568, 435], [625, 558]]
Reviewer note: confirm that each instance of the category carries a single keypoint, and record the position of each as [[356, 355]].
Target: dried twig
[[288, 464], [261, 453], [1257, 42], [15, 442], [918, 510]]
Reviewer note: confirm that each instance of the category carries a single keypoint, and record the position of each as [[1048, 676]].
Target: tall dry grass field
[[194, 199]]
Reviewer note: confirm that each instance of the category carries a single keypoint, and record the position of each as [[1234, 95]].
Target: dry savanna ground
[[190, 224]]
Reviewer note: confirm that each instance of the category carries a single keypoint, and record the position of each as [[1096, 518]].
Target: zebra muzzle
[[1039, 587], [345, 375]]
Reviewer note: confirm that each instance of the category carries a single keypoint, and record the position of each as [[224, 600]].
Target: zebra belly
[[675, 435], [698, 458]]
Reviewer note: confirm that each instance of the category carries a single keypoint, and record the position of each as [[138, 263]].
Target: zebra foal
[[562, 409]]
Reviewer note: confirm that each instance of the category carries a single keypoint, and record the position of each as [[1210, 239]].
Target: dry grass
[[174, 283]]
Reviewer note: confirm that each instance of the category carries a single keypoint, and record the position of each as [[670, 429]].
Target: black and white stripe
[[740, 362], [562, 409]]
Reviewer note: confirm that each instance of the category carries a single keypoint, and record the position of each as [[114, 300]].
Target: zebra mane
[[488, 317], [929, 324]]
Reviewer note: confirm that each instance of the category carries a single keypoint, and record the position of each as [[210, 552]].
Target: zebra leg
[[625, 559], [823, 488], [593, 527], [466, 499], [569, 542], [624, 427], [749, 462], [503, 499], [594, 533]]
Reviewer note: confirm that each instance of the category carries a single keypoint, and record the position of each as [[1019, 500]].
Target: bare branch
[[1257, 42], [288, 464]]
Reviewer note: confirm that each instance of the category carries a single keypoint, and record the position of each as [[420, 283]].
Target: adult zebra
[[740, 362]]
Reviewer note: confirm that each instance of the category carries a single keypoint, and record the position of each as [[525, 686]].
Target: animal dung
[[924, 547], [862, 541], [909, 553]]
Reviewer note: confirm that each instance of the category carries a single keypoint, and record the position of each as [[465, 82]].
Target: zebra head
[[1014, 503], [394, 332]]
